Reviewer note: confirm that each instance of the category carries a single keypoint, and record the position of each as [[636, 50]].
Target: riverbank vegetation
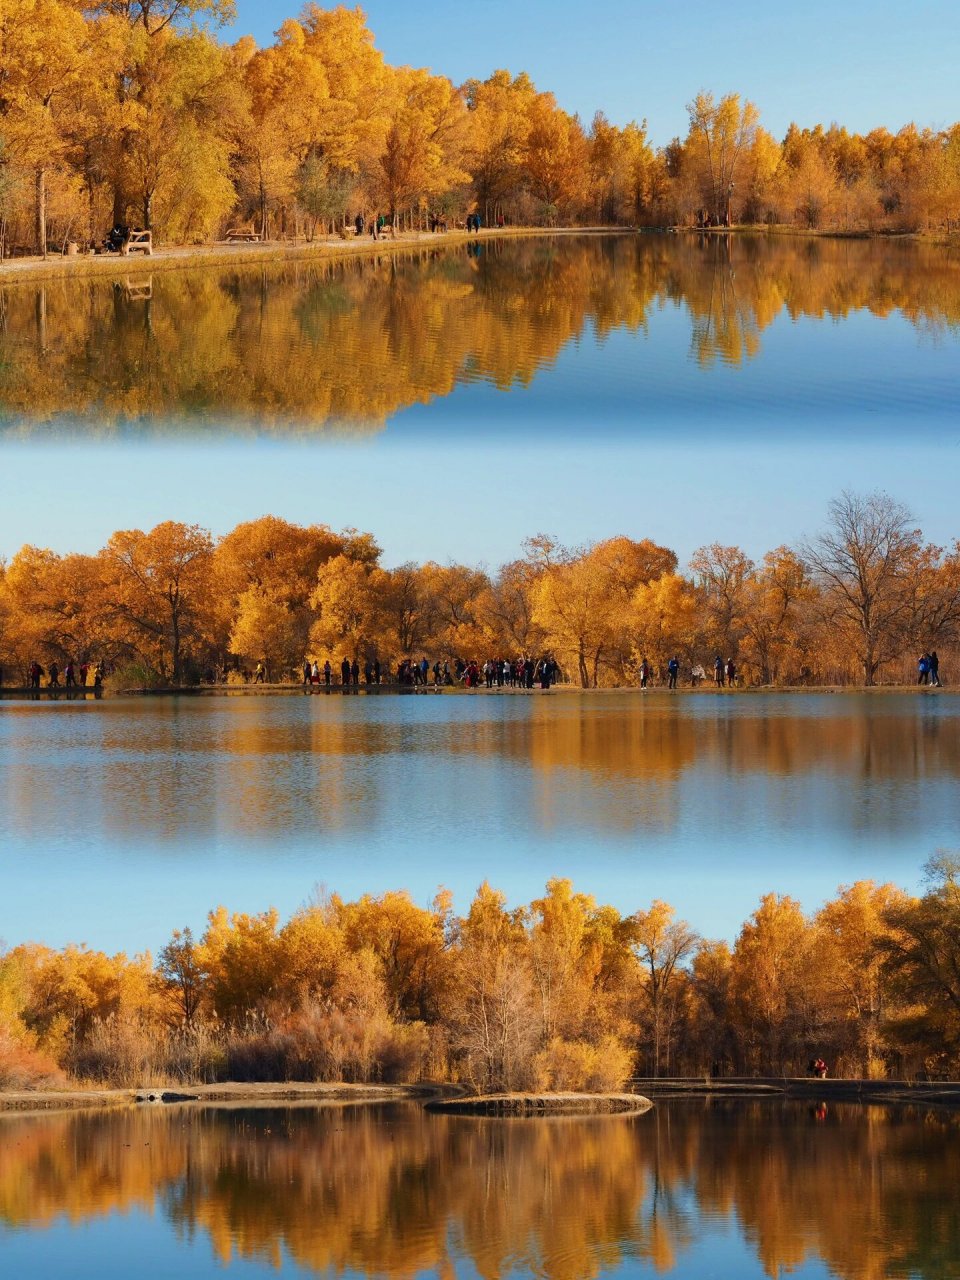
[[124, 113], [561, 994], [173, 606]]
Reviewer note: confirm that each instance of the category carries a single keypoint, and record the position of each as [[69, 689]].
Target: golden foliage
[[173, 606]]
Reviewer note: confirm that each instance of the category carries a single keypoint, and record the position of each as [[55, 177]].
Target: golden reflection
[[393, 1191], [342, 346], [315, 763]]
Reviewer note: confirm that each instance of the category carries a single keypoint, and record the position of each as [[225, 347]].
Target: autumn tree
[[665, 618], [863, 565], [420, 160], [495, 146], [722, 574], [661, 943], [155, 15], [54, 608], [496, 1030], [854, 931], [555, 159], [921, 960], [157, 592], [348, 608], [44, 57], [720, 133], [180, 966], [776, 987], [773, 612]]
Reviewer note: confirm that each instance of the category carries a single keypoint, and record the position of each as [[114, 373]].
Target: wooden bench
[[236, 234], [138, 242]]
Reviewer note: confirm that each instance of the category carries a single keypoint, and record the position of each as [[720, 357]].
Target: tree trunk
[[584, 673], [175, 619], [40, 211]]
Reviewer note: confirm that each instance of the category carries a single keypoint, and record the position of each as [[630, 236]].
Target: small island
[[541, 1104]]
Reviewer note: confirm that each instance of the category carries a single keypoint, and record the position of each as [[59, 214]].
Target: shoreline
[[451, 1100], [228, 1093], [221, 254], [26, 270], [23, 694], [804, 1089]]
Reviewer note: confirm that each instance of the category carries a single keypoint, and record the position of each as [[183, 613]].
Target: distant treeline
[[860, 603], [134, 113], [560, 994]]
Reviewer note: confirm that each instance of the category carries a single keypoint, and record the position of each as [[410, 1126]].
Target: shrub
[[22, 1067], [576, 1066]]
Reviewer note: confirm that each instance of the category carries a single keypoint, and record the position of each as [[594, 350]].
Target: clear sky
[[862, 63], [451, 502]]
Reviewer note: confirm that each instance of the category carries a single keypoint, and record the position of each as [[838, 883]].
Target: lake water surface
[[691, 1189], [174, 805], [632, 334]]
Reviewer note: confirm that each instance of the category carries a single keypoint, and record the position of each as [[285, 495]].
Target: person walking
[[718, 671], [673, 670], [923, 669], [260, 674], [345, 674], [644, 673], [935, 669], [307, 671]]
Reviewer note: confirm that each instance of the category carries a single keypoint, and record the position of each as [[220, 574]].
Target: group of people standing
[[314, 674], [494, 673], [75, 675], [724, 673], [928, 669]]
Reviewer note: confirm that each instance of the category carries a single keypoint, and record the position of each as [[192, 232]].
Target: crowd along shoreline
[[89, 694]]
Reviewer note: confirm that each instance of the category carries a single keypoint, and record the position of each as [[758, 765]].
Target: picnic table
[[236, 234]]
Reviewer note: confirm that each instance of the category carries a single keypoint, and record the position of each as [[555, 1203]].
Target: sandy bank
[[805, 1088], [258, 1095]]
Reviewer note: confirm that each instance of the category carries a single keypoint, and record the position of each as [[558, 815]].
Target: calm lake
[[688, 1190], [175, 805], [625, 333]]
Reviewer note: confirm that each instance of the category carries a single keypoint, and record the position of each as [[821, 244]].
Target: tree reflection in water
[[342, 346]]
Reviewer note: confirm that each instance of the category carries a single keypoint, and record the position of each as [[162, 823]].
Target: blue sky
[[860, 63], [452, 503]]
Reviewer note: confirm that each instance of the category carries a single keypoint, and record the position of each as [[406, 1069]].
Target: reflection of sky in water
[[152, 812], [689, 1190], [859, 374]]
